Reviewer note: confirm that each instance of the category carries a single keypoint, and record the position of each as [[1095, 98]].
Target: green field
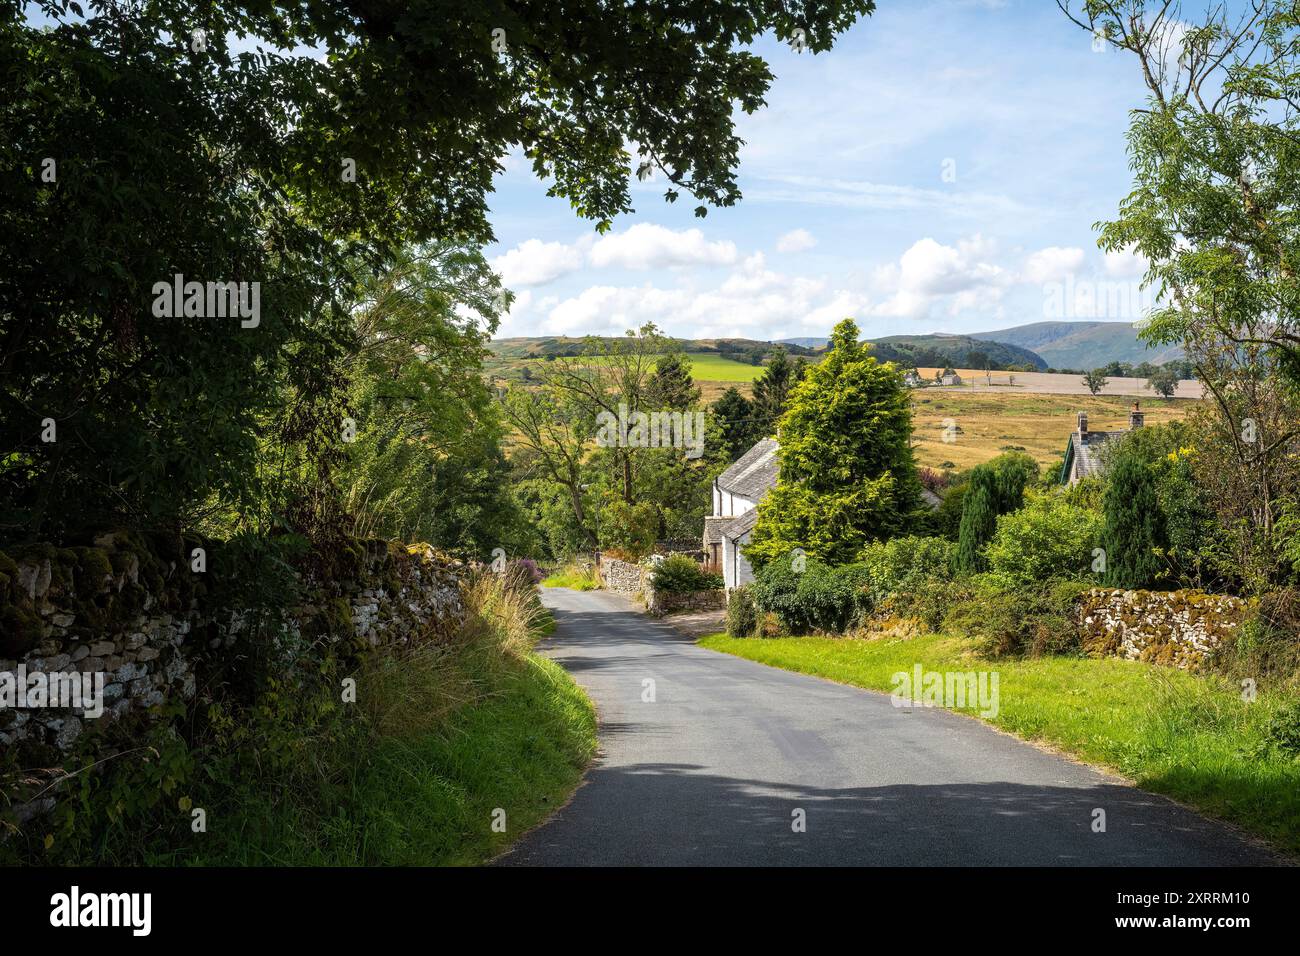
[[715, 368], [706, 367]]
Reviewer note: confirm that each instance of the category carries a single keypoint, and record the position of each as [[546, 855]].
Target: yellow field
[[987, 424]]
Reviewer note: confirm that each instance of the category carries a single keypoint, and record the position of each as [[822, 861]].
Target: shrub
[[947, 517], [979, 516], [1134, 530], [1049, 538], [904, 563], [742, 615], [818, 598], [771, 626], [996, 488], [678, 574], [1033, 620]]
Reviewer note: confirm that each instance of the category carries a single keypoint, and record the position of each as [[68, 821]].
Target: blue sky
[[847, 210]]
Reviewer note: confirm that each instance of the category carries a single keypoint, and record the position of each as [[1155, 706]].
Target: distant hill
[[919, 350], [940, 349], [1083, 345], [808, 342], [516, 348]]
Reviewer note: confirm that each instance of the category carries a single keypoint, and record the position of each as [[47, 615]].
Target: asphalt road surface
[[721, 765]]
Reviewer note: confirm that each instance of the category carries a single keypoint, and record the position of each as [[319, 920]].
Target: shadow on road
[[675, 815]]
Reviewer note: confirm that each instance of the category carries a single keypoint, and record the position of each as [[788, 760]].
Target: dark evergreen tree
[[671, 385], [735, 417], [1134, 526], [979, 515], [772, 388]]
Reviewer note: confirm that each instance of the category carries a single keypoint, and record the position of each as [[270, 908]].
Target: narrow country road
[[713, 771]]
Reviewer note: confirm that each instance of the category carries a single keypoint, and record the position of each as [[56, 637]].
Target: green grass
[[708, 367], [423, 794], [572, 577], [430, 800], [715, 368], [1186, 736]]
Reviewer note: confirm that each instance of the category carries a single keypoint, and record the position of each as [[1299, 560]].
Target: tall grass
[[574, 576], [439, 739]]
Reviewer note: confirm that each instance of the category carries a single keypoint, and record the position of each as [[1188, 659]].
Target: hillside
[[1083, 345], [941, 349], [526, 347]]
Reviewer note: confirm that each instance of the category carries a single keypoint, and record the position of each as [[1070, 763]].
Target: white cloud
[[796, 240], [929, 272], [1125, 264], [1052, 264], [534, 262], [752, 302], [647, 246]]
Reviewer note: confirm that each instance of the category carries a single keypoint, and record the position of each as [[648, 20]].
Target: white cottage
[[736, 494]]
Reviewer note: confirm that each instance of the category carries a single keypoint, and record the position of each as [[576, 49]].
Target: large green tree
[[300, 148], [426, 463], [1215, 153], [735, 417], [847, 476]]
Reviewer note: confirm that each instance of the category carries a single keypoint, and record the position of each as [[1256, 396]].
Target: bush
[[1134, 531], [1049, 538], [1033, 620], [902, 564], [946, 520], [818, 598], [678, 574], [742, 615]]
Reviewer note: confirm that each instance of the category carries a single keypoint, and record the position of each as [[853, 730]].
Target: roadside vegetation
[[437, 741], [577, 577]]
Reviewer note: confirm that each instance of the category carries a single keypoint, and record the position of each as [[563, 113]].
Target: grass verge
[[1186, 736], [443, 755], [457, 737], [574, 577]]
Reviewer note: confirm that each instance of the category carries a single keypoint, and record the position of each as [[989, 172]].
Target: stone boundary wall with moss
[[660, 603], [623, 576], [134, 608], [1174, 628]]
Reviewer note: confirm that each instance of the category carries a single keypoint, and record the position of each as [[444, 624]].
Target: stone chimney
[[1083, 424], [1135, 417]]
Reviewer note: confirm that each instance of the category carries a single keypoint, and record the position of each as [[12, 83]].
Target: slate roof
[[1081, 459], [713, 529], [738, 526], [754, 473]]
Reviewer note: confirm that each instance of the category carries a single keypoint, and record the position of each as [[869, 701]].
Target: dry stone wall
[[1176, 628], [660, 603], [133, 612], [623, 576]]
